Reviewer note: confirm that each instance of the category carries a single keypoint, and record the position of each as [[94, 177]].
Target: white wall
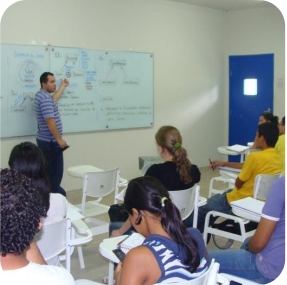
[[189, 90], [257, 31]]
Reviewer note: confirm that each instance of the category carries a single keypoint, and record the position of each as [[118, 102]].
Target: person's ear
[[135, 212], [40, 224]]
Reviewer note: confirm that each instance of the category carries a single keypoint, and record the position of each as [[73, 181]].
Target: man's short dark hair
[[283, 121], [21, 210], [44, 77], [270, 132]]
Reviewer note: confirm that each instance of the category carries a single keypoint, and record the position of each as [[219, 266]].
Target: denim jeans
[[218, 203], [54, 164], [117, 225], [239, 262]]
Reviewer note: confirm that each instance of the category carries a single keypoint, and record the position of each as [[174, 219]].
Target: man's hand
[[116, 233], [216, 163], [62, 143], [65, 82], [118, 272]]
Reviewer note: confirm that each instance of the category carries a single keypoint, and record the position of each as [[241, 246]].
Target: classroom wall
[[189, 87], [256, 31]]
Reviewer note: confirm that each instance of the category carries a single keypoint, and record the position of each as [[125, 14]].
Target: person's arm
[[238, 183], [237, 165], [262, 235], [54, 130], [139, 267], [58, 93], [34, 254], [125, 227]]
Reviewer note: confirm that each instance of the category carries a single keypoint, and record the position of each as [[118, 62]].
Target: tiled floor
[[96, 265]]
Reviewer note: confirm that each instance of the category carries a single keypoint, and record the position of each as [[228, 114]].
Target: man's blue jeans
[[117, 225], [239, 262], [54, 164], [218, 203]]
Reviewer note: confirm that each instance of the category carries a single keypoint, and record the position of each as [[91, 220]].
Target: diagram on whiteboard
[[107, 89], [21, 68], [121, 66]]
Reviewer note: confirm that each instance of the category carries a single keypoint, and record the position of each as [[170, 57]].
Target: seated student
[[22, 208], [261, 257], [27, 158], [176, 173], [168, 254], [266, 161], [266, 117], [280, 145]]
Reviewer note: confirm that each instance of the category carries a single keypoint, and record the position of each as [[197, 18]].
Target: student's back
[[167, 174], [177, 172], [36, 274]]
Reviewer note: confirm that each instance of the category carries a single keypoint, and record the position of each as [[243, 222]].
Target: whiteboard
[[108, 90]]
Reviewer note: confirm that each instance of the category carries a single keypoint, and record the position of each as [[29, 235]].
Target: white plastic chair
[[263, 184], [98, 185], [187, 202], [261, 189], [58, 237]]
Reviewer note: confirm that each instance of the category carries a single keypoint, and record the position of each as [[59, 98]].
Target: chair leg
[[81, 257]]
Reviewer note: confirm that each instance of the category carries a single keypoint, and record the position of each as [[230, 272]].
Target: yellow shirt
[[280, 148], [267, 161]]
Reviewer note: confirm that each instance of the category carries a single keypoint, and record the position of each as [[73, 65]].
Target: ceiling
[[227, 5]]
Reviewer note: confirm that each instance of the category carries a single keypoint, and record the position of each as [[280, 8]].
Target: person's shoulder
[[278, 186], [51, 274], [194, 167], [56, 275], [57, 197]]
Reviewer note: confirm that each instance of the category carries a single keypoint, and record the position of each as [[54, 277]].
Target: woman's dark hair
[[269, 117], [21, 210], [28, 158], [146, 194], [169, 138]]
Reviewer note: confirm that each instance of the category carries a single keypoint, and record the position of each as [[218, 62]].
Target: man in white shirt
[[22, 208]]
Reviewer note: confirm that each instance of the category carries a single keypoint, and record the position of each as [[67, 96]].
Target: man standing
[[49, 135]]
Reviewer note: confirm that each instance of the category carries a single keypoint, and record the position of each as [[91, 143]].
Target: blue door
[[244, 110]]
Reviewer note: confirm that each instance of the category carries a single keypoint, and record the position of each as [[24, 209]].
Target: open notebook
[[134, 240], [249, 204]]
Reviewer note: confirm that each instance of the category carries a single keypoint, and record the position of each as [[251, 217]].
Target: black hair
[[170, 138], [28, 158], [146, 194], [269, 117], [21, 210], [270, 132], [44, 77], [283, 121]]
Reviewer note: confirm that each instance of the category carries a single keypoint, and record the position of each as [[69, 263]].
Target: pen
[[211, 164], [119, 243]]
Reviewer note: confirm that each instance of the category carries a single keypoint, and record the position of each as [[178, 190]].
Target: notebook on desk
[[231, 169], [238, 148], [134, 240], [250, 205]]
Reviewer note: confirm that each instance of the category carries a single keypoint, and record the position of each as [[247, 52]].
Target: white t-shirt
[[35, 274], [58, 208]]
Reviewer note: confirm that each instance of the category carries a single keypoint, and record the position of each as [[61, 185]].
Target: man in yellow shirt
[[266, 161], [280, 145]]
